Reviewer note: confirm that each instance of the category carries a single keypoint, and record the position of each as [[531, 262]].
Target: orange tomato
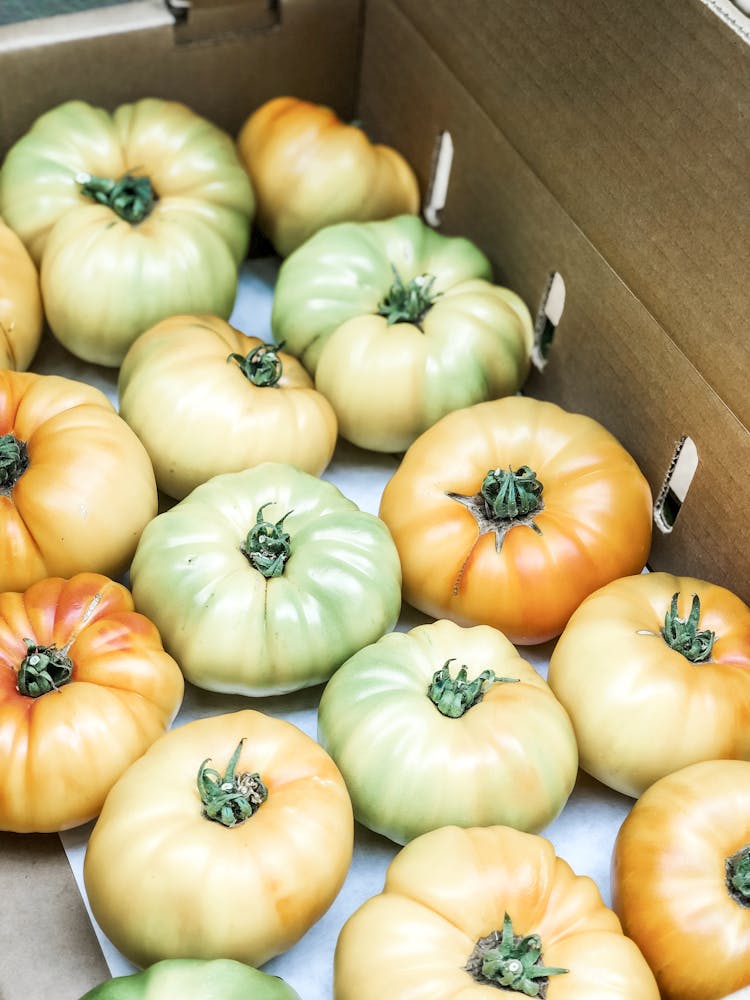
[[681, 879], [85, 688], [309, 170], [510, 512], [467, 912], [229, 838], [21, 316], [654, 671], [76, 485]]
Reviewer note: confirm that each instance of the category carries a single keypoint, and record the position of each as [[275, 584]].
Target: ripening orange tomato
[[510, 512], [21, 315]]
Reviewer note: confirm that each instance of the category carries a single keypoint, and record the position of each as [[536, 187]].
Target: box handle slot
[[547, 319], [201, 21], [442, 162], [677, 482]]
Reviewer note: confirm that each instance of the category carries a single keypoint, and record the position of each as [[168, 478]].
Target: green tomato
[[133, 216], [399, 325], [194, 979], [266, 580], [446, 725]]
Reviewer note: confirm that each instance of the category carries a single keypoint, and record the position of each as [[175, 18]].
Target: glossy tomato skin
[[21, 314], [669, 879], [231, 628], [85, 490], [107, 278], [511, 758], [184, 886], [309, 170], [388, 380], [199, 416], [194, 979], [594, 524], [450, 888], [61, 752], [640, 708]]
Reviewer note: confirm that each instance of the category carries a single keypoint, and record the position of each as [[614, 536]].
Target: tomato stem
[[453, 696], [14, 461], [267, 546], [43, 669], [514, 963], [505, 499], [683, 634], [130, 197], [408, 303], [230, 798], [738, 876], [262, 366]]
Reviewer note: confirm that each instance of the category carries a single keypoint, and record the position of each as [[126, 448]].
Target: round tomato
[[194, 979], [309, 170], [510, 512], [133, 216], [205, 399], [85, 688], [229, 838], [654, 671], [445, 725], [486, 912], [76, 484], [21, 316], [681, 879], [265, 581], [399, 325]]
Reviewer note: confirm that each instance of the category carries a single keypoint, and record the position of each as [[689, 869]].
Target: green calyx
[[43, 669], [267, 546], [683, 634], [230, 798], [510, 962], [132, 198], [14, 461], [453, 696], [505, 499], [508, 495], [738, 876], [408, 303], [262, 366]]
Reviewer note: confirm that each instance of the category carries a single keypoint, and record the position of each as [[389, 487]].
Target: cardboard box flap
[[308, 48], [637, 118]]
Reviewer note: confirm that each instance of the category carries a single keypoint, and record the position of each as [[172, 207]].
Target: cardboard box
[[602, 141]]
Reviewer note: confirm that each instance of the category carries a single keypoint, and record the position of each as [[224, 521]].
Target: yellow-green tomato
[[132, 216], [205, 399], [266, 580], [229, 838], [399, 325], [195, 979], [447, 725]]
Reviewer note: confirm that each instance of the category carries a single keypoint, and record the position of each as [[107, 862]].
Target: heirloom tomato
[[309, 169], [229, 838], [21, 316], [681, 879], [85, 688], [205, 399], [195, 979], [446, 725], [664, 662], [510, 512], [399, 325], [265, 581], [132, 216], [484, 912], [76, 484]]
